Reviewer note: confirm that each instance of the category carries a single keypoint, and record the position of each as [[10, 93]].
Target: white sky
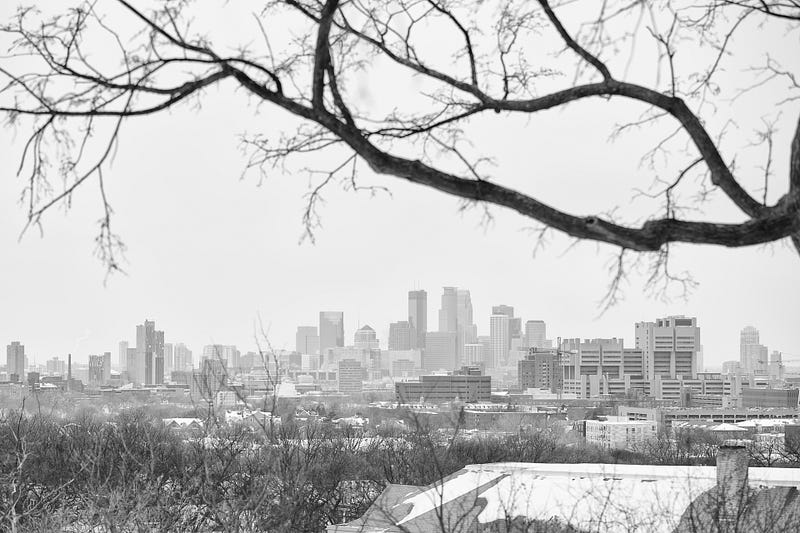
[[209, 253]]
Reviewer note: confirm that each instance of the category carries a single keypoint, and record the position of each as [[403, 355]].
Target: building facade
[[669, 346], [331, 331], [418, 317], [439, 389]]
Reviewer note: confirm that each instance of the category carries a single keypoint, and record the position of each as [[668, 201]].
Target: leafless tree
[[76, 106]]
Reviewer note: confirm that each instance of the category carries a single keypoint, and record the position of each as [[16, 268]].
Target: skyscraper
[[465, 326], [418, 317], [169, 358], [365, 338], [500, 339], [514, 324], [307, 340], [669, 347], [183, 357], [149, 361], [752, 354], [400, 334], [440, 351], [448, 313], [15, 360], [331, 331], [122, 356], [535, 334]]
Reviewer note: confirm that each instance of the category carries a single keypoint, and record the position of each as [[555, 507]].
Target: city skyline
[[382, 336], [208, 278]]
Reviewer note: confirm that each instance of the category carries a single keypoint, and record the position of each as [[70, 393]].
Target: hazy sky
[[209, 253]]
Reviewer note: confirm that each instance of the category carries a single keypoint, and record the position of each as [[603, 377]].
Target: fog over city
[[210, 249]]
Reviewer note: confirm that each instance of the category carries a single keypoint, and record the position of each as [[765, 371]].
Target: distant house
[[183, 423], [554, 498]]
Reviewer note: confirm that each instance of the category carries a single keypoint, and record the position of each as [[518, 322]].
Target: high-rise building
[[169, 358], [365, 338], [350, 376], [106, 367], [122, 356], [752, 354], [96, 372], [15, 360], [500, 340], [600, 357], [440, 350], [535, 334], [56, 367], [473, 354], [669, 347], [540, 370], [448, 313], [418, 317], [400, 334], [228, 353], [331, 331], [149, 361], [776, 370], [465, 325], [182, 357], [307, 340]]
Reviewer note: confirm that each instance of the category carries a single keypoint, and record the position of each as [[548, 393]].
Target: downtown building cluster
[[507, 353]]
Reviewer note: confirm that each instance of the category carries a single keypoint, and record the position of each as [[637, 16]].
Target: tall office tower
[[400, 334], [331, 331], [465, 325], [752, 354], [448, 313], [418, 317], [122, 356], [149, 364], [96, 369], [463, 307], [775, 369], [15, 360], [169, 358], [106, 367], [55, 367], [228, 353], [514, 324], [500, 340], [486, 342], [365, 338], [535, 334], [132, 364], [440, 350], [183, 357], [473, 354], [669, 347], [515, 329], [306, 340]]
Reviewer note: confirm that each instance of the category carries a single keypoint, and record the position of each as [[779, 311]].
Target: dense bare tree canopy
[[76, 78]]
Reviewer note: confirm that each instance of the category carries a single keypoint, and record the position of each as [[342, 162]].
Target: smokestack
[[732, 483], [69, 372]]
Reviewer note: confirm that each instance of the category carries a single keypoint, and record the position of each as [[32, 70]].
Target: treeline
[[128, 472]]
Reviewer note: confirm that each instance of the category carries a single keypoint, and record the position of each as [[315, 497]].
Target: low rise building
[[621, 434], [447, 388]]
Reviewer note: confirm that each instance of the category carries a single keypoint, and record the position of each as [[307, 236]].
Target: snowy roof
[[593, 497], [727, 427]]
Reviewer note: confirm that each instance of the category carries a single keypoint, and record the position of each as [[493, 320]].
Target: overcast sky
[[209, 253]]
